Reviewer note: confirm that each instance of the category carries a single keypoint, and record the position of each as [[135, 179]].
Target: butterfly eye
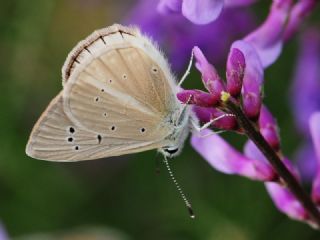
[[172, 150]]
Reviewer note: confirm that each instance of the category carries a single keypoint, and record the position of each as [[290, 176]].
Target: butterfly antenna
[[183, 196]]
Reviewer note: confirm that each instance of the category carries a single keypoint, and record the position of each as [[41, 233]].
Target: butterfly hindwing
[[56, 138]]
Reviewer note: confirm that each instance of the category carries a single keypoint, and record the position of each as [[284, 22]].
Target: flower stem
[[293, 185]]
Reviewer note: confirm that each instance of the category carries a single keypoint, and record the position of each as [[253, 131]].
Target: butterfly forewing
[[118, 97]]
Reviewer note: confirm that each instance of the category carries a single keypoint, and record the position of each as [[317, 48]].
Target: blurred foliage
[[122, 193]]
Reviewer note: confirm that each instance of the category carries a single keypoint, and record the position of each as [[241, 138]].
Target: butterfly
[[118, 97]]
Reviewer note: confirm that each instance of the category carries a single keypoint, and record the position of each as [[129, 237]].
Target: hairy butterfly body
[[118, 98]]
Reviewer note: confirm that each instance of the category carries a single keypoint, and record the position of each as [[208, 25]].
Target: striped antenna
[[183, 196]]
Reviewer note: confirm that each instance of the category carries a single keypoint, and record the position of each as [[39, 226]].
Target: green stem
[[293, 185]]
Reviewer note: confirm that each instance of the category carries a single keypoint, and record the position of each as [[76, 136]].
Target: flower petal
[[226, 159], [169, 6], [286, 201], [305, 97], [268, 38], [202, 11], [298, 13], [251, 151], [315, 133], [238, 3], [306, 161], [3, 234], [281, 196], [177, 36]]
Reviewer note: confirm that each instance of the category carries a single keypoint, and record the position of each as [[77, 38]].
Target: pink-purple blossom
[[200, 11], [305, 98], [267, 40], [3, 234], [236, 65], [249, 56], [315, 133], [177, 36], [224, 158], [299, 12]]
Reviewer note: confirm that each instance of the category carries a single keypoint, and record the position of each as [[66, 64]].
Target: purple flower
[[244, 73], [177, 36], [226, 159], [299, 11], [306, 160], [237, 3], [199, 11], [267, 40], [236, 74], [3, 234], [284, 200], [305, 97], [315, 133]]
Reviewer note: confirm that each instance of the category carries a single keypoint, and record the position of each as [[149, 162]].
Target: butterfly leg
[[188, 70], [199, 128], [183, 110]]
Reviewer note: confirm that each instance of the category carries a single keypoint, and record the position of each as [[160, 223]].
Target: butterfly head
[[179, 125]]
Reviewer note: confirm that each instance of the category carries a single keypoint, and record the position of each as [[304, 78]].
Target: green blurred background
[[122, 193]]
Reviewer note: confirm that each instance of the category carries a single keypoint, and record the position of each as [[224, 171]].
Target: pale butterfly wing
[[118, 94], [56, 138], [117, 87]]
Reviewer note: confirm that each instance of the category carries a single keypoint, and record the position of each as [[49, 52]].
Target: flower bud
[[252, 79], [269, 128], [210, 77], [235, 71], [197, 97], [206, 114]]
